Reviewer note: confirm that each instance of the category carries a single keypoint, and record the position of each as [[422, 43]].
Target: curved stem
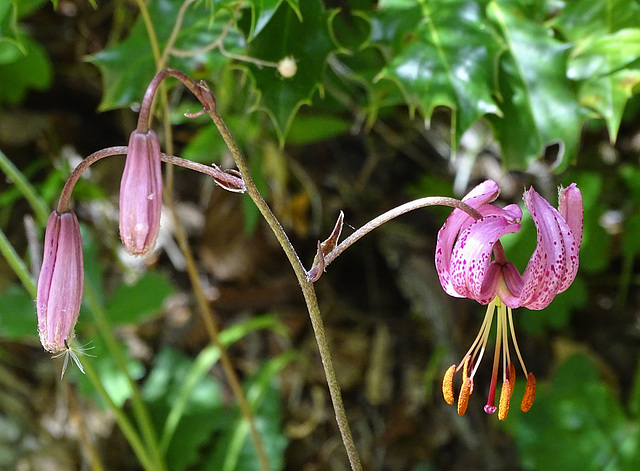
[[394, 213], [308, 292], [227, 180]]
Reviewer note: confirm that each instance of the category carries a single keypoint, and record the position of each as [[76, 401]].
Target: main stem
[[307, 287]]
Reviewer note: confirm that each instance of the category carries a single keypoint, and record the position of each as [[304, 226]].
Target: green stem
[[27, 190], [9, 253], [123, 422], [139, 408], [307, 287]]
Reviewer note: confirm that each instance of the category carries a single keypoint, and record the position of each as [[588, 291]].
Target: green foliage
[[24, 64], [535, 72], [198, 427], [577, 423]]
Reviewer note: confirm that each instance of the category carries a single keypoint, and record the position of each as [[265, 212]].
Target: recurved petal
[[478, 197], [570, 208], [471, 258], [554, 263]]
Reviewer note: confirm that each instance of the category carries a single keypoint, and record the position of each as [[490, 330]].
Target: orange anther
[[529, 393], [463, 400], [505, 399], [447, 385]]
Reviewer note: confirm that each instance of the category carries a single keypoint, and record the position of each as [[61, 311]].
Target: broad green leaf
[[128, 66], [608, 96], [576, 424], [598, 61], [538, 104], [443, 55], [308, 42], [18, 319], [10, 46], [263, 11], [133, 303], [28, 70], [581, 19], [603, 54]]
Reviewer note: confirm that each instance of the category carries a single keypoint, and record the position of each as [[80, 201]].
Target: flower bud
[[141, 194], [61, 282]]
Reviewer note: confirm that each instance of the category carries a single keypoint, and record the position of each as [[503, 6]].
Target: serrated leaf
[[263, 11], [128, 66], [608, 96], [444, 56], [538, 104], [598, 62], [308, 42], [603, 54], [580, 19]]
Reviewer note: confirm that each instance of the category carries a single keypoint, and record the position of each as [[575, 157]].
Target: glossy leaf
[[580, 19], [442, 55], [538, 104], [308, 42], [128, 66]]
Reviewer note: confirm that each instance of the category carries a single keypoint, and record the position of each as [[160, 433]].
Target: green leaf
[[30, 70], [10, 45], [608, 96], [598, 60], [603, 54], [581, 19], [443, 55], [18, 319], [132, 303], [308, 42], [235, 451], [128, 66], [575, 424], [538, 104]]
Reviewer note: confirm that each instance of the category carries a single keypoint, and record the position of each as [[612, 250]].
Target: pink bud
[[61, 282], [141, 194]]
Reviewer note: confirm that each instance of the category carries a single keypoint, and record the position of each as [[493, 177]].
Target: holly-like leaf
[[579, 20], [538, 104], [598, 61], [128, 66], [308, 43], [608, 96], [443, 55]]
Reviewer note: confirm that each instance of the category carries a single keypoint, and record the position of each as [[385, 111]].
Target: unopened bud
[[61, 282], [141, 194]]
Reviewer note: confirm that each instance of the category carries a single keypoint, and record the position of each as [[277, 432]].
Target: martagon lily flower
[[467, 269]]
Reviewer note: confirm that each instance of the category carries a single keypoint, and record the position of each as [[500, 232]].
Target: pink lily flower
[[467, 269]]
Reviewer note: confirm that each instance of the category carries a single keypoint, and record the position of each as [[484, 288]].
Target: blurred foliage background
[[376, 102]]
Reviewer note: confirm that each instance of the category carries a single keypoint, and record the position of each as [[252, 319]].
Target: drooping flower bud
[[141, 194], [61, 282]]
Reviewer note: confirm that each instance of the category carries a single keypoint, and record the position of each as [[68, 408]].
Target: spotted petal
[[554, 263], [459, 222], [471, 258], [481, 195]]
